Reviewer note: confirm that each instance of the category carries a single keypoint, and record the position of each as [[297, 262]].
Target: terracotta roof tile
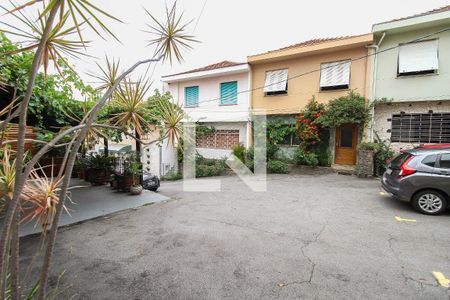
[[430, 12], [312, 43], [220, 65]]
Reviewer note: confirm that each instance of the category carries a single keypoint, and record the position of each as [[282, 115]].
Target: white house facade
[[411, 80], [217, 97]]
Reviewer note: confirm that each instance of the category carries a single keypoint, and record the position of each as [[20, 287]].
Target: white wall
[[209, 109]]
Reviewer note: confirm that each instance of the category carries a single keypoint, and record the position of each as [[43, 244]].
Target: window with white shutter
[[418, 58], [276, 82], [335, 75]]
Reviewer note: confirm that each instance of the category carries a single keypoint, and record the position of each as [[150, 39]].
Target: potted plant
[[135, 171], [99, 168]]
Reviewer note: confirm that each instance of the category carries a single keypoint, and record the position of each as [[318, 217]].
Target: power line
[[341, 63], [199, 17]]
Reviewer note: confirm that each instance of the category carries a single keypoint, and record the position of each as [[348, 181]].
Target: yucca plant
[[7, 177], [62, 18], [40, 198], [170, 36], [129, 104], [171, 116], [57, 47]]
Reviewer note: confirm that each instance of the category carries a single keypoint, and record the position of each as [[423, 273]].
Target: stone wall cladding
[[383, 112], [365, 163]]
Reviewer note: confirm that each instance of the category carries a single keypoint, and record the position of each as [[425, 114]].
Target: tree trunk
[[69, 167], [138, 154], [105, 149], [20, 178], [15, 271]]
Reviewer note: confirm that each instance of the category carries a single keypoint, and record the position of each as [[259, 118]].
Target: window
[[430, 160], [335, 75], [399, 160], [444, 162], [421, 128], [276, 82], [191, 96], [290, 139], [228, 93], [418, 58]]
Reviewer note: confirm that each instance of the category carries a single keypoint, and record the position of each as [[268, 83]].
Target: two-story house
[[217, 97], [321, 68], [411, 80]]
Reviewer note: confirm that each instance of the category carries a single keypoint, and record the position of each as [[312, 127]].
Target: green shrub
[[239, 152], [206, 167], [277, 167], [382, 156], [302, 157], [271, 149], [172, 176], [369, 146]]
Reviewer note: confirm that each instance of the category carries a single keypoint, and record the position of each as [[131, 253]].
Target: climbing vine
[[307, 126]]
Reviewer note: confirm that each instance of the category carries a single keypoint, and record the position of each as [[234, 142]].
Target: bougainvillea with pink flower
[[307, 127]]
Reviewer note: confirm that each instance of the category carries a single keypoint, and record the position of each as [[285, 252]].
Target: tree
[[48, 34]]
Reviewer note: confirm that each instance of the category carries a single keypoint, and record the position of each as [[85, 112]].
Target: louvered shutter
[[335, 73], [416, 57], [228, 93], [191, 96], [276, 81]]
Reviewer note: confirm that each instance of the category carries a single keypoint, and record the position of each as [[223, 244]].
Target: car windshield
[[399, 160]]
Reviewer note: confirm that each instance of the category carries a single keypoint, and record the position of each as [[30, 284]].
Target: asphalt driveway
[[324, 237]]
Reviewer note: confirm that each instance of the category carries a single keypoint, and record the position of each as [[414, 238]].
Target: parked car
[[421, 176], [151, 182]]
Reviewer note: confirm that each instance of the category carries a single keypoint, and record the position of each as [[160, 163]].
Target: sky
[[233, 29]]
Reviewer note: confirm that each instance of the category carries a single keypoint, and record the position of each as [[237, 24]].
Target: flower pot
[[81, 174], [98, 176], [124, 182], [136, 189]]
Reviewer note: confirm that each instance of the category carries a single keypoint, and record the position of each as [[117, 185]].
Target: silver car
[[421, 176]]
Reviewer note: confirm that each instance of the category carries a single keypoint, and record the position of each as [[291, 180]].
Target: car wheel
[[429, 202]]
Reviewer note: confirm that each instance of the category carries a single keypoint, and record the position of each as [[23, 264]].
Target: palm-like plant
[[93, 133], [57, 46], [7, 176], [129, 101], [108, 74], [41, 197], [171, 115], [80, 11], [171, 37], [53, 23]]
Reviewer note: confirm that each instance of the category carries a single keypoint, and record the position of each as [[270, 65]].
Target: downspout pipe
[[373, 95]]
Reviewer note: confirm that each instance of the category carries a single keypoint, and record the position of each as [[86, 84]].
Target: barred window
[[421, 128]]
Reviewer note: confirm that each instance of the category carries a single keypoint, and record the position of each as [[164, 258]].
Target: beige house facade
[[285, 80]]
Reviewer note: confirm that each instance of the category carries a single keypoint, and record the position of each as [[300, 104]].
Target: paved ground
[[322, 237], [90, 202]]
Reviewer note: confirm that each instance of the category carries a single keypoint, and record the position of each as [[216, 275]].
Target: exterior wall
[[159, 158], [211, 113], [225, 153], [385, 112], [433, 87], [301, 89], [209, 108]]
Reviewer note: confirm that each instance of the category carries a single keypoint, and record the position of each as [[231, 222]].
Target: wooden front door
[[346, 141]]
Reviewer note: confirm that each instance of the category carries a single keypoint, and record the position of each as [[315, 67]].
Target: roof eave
[[408, 23], [330, 46], [242, 68]]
